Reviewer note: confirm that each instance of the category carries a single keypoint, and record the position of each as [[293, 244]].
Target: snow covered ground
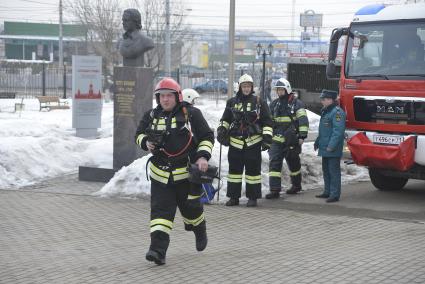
[[37, 145]]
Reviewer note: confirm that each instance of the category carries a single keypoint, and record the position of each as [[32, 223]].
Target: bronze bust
[[133, 44]]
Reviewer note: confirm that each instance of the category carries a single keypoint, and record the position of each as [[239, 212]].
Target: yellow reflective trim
[[161, 228], [295, 173], [235, 175], [161, 221], [267, 130], [253, 181], [253, 140], [225, 124], [238, 106], [253, 177], [275, 174], [236, 143], [301, 112], [282, 119], [205, 146], [278, 138], [235, 178], [158, 175], [206, 143], [158, 171], [139, 139], [248, 107], [303, 128], [180, 176], [191, 197], [180, 171], [158, 178], [194, 222], [158, 127]]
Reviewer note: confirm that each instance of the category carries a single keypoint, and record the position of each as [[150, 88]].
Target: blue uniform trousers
[[331, 168]]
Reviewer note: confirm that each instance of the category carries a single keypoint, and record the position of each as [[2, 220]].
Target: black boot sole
[[154, 258]]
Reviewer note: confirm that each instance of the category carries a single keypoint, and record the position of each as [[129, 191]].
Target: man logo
[[390, 109]]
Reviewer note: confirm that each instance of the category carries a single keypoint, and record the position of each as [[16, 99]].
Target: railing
[[35, 79]]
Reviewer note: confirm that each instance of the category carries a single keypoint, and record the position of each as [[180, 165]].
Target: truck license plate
[[387, 139]]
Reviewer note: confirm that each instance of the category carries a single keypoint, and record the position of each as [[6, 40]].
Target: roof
[[380, 12], [46, 38], [39, 29]]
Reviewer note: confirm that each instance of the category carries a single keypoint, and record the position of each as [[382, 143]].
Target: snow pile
[[36, 145]]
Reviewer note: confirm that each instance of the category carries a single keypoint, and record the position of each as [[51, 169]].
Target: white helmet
[[246, 78], [283, 83], [189, 95]]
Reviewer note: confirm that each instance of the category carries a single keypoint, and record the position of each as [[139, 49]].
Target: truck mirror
[[331, 71]]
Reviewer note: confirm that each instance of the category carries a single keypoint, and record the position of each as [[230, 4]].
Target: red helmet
[[168, 85]]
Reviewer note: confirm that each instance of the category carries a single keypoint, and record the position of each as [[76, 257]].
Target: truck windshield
[[386, 49]]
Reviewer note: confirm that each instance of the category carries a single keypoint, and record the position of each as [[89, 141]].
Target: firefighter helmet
[[245, 78], [283, 83], [168, 85], [189, 95]]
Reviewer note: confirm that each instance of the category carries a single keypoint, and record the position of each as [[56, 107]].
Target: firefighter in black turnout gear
[[176, 134], [246, 128], [290, 128]]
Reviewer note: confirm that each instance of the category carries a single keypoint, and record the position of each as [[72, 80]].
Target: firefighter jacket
[[290, 121], [247, 120], [330, 140], [180, 136]]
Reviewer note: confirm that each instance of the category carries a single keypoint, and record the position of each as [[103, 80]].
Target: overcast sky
[[273, 16]]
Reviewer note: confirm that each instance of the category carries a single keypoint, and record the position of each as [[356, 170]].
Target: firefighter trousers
[[164, 201], [291, 154], [250, 159]]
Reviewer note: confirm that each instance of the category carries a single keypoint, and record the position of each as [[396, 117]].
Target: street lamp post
[[262, 51]]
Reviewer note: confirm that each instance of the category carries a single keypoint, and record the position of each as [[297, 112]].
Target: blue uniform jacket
[[331, 132]]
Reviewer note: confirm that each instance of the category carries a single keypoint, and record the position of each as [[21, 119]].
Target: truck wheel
[[386, 183]]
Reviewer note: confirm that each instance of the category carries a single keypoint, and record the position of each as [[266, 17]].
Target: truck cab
[[382, 90]]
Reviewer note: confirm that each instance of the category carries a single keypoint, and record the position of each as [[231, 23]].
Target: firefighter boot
[[232, 202], [154, 256], [251, 203], [296, 184], [293, 190], [201, 236], [273, 194]]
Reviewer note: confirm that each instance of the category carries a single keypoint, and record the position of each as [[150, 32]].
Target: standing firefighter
[[289, 131], [175, 133], [246, 127]]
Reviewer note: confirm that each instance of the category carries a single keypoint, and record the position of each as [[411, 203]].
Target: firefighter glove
[[267, 142], [223, 136]]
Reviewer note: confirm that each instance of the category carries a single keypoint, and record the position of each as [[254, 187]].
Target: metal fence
[[35, 79]]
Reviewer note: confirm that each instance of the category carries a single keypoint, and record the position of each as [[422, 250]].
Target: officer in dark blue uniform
[[330, 142]]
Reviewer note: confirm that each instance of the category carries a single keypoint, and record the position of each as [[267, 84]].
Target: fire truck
[[382, 90]]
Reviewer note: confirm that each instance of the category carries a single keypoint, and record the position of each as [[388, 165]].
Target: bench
[[7, 95], [51, 102]]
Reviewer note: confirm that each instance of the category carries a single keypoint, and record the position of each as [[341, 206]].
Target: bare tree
[[102, 18], [153, 23]]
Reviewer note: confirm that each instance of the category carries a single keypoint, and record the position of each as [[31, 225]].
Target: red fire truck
[[382, 90]]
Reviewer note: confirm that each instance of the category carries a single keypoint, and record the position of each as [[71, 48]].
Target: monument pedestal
[[133, 95]]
